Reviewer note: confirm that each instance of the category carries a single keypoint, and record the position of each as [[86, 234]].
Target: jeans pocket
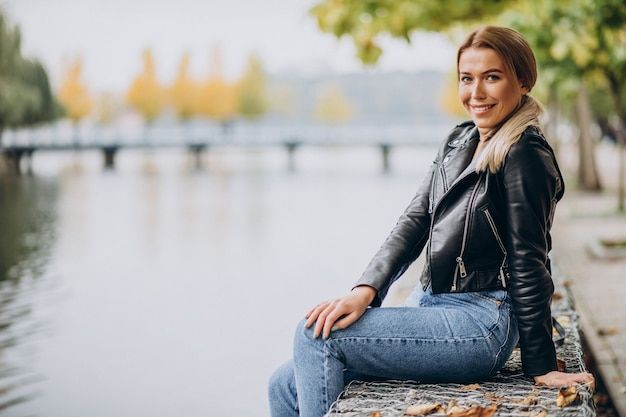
[[497, 297]]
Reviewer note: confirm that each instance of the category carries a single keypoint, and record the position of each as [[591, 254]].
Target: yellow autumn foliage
[[184, 91], [449, 100], [332, 105], [252, 90], [217, 99], [74, 94], [146, 94]]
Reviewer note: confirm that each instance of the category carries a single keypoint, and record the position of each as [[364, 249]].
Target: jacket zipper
[[433, 186], [431, 197], [444, 181], [494, 229], [460, 267]]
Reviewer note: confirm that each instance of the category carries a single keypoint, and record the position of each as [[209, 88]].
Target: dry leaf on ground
[[470, 387], [529, 400], [474, 411], [423, 409], [376, 414], [566, 396], [494, 397], [608, 331]]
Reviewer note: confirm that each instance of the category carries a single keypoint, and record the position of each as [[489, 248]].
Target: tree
[[74, 94], [146, 94], [450, 99], [184, 91], [26, 98], [218, 98], [561, 55], [609, 24], [583, 43], [366, 21], [253, 98], [332, 105]]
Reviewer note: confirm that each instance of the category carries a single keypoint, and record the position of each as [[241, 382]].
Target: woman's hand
[[560, 379], [341, 312]]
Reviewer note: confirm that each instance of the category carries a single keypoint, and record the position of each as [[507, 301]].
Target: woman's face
[[487, 90]]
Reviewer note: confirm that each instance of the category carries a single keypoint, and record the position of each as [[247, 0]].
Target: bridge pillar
[[196, 151], [291, 150], [13, 158], [385, 148], [109, 153]]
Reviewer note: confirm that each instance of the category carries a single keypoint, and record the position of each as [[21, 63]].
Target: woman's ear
[[524, 90]]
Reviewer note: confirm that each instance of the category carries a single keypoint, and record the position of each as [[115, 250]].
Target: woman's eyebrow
[[493, 70], [489, 71]]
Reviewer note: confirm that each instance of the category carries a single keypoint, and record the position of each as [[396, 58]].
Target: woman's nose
[[477, 90]]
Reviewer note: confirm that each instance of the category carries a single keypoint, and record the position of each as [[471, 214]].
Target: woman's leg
[[282, 392], [449, 338], [283, 397]]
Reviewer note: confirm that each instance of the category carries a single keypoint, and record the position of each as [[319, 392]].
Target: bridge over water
[[18, 147]]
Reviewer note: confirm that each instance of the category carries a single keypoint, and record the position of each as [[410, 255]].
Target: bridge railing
[[197, 139]]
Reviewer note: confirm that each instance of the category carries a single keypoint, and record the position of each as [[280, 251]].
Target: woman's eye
[[465, 79], [492, 77]]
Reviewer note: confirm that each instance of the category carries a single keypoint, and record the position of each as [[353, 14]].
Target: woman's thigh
[[451, 337]]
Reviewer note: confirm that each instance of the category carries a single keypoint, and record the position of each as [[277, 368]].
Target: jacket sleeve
[[403, 245], [532, 185]]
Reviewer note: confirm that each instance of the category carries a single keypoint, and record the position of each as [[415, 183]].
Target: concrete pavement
[[596, 274]]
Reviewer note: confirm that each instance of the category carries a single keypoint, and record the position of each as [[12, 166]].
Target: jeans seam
[[503, 344], [331, 351]]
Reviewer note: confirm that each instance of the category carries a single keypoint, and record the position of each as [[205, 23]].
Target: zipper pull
[[462, 270], [502, 277]]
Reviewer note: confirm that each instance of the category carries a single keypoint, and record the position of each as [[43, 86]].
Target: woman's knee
[[303, 335]]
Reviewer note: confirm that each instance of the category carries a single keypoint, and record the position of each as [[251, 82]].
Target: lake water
[[160, 290]]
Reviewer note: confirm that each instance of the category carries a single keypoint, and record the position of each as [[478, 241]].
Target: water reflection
[[176, 292], [27, 216]]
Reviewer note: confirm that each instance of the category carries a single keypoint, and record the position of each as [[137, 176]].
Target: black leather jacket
[[483, 231]]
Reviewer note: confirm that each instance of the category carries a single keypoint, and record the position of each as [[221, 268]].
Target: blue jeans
[[461, 337]]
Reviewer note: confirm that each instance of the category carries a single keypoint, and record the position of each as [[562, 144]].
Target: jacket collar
[[465, 147]]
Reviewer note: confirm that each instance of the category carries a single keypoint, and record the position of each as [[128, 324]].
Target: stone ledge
[[509, 393]]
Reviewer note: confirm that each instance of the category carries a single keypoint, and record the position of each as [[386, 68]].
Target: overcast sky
[[110, 36]]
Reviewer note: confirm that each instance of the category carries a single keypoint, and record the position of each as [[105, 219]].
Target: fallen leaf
[[609, 331], [560, 364], [474, 411], [376, 414], [566, 396], [530, 400], [470, 387], [422, 409], [564, 321]]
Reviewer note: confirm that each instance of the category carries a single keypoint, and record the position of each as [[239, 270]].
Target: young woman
[[484, 214]]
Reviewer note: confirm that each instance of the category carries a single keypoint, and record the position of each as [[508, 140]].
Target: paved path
[[597, 283]]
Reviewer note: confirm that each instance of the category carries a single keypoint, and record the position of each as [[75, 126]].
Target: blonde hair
[[519, 61]]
